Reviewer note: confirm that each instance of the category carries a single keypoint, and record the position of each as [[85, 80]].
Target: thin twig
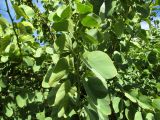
[[14, 28]]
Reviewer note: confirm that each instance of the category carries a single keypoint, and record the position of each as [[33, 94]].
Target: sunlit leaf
[[100, 64]]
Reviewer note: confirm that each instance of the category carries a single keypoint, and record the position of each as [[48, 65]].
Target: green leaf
[[91, 36], [64, 12], [118, 28], [65, 25], [38, 52], [142, 100], [3, 22], [59, 72], [8, 111], [157, 2], [40, 115], [116, 102], [96, 5], [62, 43], [49, 50], [152, 57], [156, 103], [117, 57], [19, 12], [91, 20], [110, 6], [138, 116], [97, 95], [58, 97], [144, 10], [25, 27], [2, 83], [100, 64], [26, 38], [150, 116], [84, 8], [45, 82], [28, 11], [53, 17], [4, 59], [91, 114], [30, 61], [4, 42], [21, 101]]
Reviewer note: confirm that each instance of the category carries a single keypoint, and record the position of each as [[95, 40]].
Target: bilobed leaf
[[100, 64], [21, 101], [59, 72], [91, 20], [84, 8]]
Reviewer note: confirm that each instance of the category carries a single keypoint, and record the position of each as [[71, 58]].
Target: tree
[[80, 60]]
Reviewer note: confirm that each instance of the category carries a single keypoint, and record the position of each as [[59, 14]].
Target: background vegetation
[[80, 59]]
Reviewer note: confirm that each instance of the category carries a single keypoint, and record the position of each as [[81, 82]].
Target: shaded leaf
[[59, 72]]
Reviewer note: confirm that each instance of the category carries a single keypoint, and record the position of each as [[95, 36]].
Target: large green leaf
[[97, 95], [59, 72], [84, 8], [100, 64], [28, 10], [91, 20]]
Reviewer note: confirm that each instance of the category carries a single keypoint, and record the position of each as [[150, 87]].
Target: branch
[[14, 28]]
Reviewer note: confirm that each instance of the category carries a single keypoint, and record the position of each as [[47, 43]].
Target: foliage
[[80, 60]]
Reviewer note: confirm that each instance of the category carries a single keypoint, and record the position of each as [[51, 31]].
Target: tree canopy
[[80, 60]]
